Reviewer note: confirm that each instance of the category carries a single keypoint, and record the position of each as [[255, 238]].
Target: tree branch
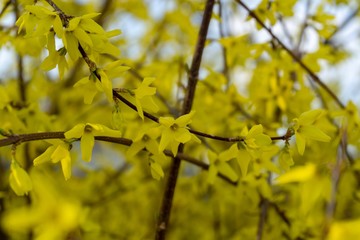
[[165, 210], [22, 138], [294, 56]]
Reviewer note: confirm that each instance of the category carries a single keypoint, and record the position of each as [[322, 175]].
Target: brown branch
[[165, 209], [263, 205], [223, 49], [193, 77], [64, 18], [303, 28], [335, 177], [347, 20], [105, 9], [195, 65], [294, 56], [22, 138], [6, 5]]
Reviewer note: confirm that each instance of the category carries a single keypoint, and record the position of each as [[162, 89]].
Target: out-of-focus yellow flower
[[304, 129], [19, 179], [51, 214], [58, 152], [218, 163]]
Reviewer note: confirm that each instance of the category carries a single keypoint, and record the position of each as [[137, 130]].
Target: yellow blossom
[[19, 179], [87, 132], [143, 97], [304, 129], [58, 152], [175, 131]]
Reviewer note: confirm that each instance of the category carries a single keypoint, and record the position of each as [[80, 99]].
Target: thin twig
[[23, 138], [335, 176], [6, 5], [223, 49], [314, 77], [347, 20], [303, 28]]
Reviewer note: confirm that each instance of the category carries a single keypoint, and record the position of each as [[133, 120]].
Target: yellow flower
[[90, 35], [38, 21], [58, 152], [89, 87], [146, 139], [304, 129], [19, 179], [143, 97], [106, 84], [218, 163], [56, 57], [255, 138], [174, 132], [53, 215], [87, 132]]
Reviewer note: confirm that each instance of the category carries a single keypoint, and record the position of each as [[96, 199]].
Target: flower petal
[[300, 143], [166, 121], [75, 132], [135, 148], [314, 133], [182, 135], [87, 144], [166, 137], [19, 179], [184, 120], [66, 166], [45, 157]]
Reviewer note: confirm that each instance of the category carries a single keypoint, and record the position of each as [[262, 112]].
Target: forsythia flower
[[145, 139], [58, 152], [56, 57], [87, 132], [298, 174], [156, 169], [53, 215], [254, 138], [218, 163], [19, 179], [143, 97], [38, 21], [90, 86], [304, 129], [106, 84], [90, 35], [174, 132]]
